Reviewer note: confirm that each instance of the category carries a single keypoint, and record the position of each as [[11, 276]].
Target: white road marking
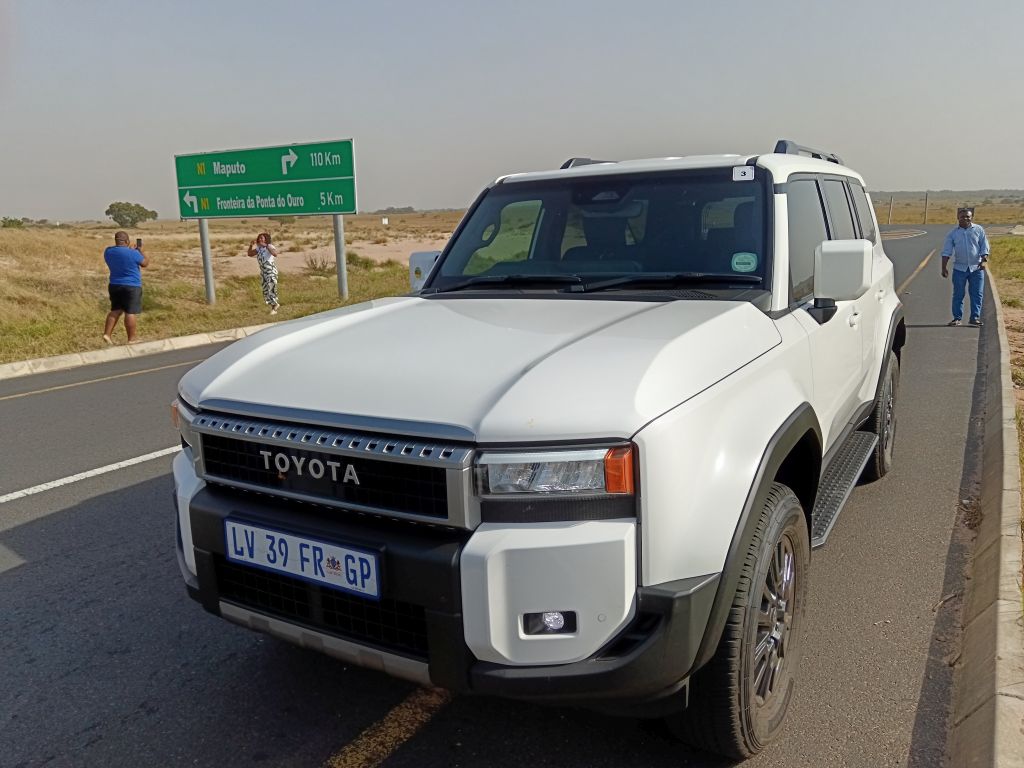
[[84, 475], [903, 234], [102, 378]]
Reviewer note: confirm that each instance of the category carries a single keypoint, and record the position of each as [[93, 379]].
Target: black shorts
[[126, 298]]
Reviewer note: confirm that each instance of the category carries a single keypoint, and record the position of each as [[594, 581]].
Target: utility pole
[[925, 207], [890, 210]]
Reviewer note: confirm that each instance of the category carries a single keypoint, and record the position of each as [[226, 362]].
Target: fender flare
[[894, 342], [792, 430]]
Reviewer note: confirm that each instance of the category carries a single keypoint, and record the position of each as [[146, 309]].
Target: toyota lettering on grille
[[300, 466]]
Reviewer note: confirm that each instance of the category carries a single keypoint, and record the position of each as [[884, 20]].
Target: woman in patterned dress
[[266, 256]]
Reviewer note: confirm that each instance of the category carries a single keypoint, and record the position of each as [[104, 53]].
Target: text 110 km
[[322, 159]]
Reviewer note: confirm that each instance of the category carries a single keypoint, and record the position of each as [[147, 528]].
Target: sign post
[[288, 180]]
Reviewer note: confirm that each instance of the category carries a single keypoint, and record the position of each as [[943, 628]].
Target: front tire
[[883, 423], [739, 700]]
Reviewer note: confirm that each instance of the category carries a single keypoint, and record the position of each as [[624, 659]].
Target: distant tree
[[128, 214], [9, 222]]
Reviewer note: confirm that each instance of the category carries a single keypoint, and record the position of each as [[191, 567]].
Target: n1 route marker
[[286, 180]]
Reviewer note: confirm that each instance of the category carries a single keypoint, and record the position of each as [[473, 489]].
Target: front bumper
[[418, 631]]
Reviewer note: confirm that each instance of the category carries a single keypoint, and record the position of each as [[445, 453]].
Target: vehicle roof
[[781, 167]]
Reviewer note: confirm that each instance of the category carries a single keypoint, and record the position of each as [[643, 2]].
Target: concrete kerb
[[988, 711], [123, 352]]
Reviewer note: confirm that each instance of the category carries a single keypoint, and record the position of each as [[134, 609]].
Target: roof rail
[[787, 147], [572, 162]]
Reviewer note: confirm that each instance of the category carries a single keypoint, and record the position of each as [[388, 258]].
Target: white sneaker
[[273, 311]]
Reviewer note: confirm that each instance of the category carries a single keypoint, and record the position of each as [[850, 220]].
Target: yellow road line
[[103, 378], [920, 266], [374, 745]]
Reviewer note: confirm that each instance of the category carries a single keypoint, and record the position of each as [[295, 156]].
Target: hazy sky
[[97, 96]]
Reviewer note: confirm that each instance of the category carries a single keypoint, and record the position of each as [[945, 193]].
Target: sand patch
[[294, 260]]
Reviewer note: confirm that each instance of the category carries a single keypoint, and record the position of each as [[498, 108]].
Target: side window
[[839, 210], [507, 239], [806, 232], [863, 206]]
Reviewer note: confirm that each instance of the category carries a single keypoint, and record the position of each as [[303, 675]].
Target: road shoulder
[[123, 352], [988, 711]]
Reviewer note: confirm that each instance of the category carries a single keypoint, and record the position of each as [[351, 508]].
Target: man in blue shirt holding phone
[[125, 286], [968, 246]]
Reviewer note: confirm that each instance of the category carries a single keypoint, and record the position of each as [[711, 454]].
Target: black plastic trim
[[787, 147], [777, 314], [648, 661], [538, 509], [895, 340], [419, 563], [862, 414], [575, 162], [781, 444], [823, 310], [436, 269]]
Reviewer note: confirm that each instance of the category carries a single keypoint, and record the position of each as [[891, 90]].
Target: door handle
[[880, 294], [854, 319]]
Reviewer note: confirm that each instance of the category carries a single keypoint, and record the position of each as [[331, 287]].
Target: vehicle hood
[[486, 370]]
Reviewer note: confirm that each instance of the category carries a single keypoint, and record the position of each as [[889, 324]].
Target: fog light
[[553, 620], [550, 623]]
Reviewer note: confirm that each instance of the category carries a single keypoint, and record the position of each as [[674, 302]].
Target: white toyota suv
[[584, 463]]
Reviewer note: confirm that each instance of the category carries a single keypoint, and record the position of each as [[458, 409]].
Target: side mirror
[[421, 263], [842, 272]]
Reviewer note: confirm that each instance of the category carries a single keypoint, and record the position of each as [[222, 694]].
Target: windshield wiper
[[484, 280], [670, 278]]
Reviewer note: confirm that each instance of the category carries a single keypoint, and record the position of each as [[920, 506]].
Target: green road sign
[[290, 180]]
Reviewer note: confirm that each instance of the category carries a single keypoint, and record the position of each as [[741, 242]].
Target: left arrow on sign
[[192, 200], [287, 161]]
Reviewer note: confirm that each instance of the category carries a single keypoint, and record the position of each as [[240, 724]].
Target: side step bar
[[837, 483]]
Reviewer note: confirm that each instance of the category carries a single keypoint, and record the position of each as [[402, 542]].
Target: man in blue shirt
[[125, 286], [968, 246]]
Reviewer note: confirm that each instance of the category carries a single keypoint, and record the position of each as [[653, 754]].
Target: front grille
[[389, 624], [383, 485]]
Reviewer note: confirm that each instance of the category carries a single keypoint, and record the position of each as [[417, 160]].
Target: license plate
[[340, 567]]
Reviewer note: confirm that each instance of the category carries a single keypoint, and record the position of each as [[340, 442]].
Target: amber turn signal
[[618, 470]]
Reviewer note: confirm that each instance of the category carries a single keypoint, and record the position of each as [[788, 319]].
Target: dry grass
[[55, 280], [1007, 264], [1003, 210]]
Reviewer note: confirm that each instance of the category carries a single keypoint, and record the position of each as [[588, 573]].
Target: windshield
[[699, 226]]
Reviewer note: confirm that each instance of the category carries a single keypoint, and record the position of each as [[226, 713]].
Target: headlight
[[182, 416], [589, 471]]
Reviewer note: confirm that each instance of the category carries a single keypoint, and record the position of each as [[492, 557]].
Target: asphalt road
[[104, 661]]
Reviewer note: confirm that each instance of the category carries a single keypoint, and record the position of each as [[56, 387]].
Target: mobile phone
[[138, 242]]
